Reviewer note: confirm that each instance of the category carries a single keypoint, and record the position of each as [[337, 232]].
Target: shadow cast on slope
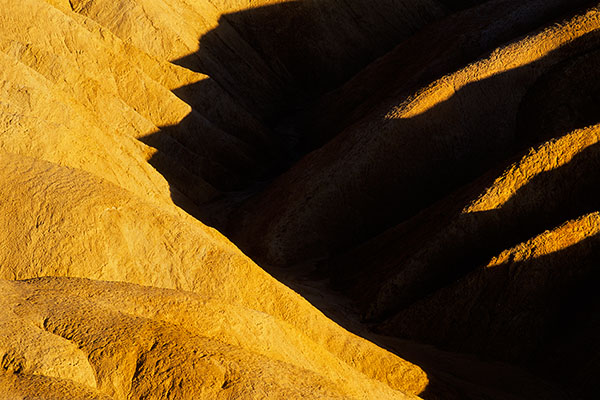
[[548, 199], [380, 173], [528, 312], [197, 176], [456, 5], [457, 140], [199, 173], [265, 60], [447, 45], [449, 250], [565, 98], [276, 57]]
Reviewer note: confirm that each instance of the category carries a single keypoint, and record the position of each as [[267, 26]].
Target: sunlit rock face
[[234, 199]]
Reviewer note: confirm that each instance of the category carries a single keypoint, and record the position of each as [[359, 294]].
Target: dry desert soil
[[299, 199]]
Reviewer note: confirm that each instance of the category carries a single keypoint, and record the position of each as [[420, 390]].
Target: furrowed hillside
[[234, 199]]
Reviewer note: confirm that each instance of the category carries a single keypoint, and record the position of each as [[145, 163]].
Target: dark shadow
[[400, 167], [456, 5], [448, 247], [438, 49], [565, 98], [263, 63], [546, 201], [277, 57], [202, 158], [468, 241], [541, 313], [225, 149]]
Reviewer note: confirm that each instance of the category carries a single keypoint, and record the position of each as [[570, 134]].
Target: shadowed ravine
[[339, 199], [438, 171]]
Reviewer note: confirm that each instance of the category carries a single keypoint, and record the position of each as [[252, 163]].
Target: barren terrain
[[344, 199]]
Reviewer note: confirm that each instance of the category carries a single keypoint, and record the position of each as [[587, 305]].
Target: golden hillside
[[412, 186]]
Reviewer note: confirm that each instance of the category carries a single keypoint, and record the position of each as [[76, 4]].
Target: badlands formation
[[334, 199]]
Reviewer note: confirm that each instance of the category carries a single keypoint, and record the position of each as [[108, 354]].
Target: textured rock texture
[[121, 341], [102, 138], [413, 151], [413, 186], [451, 191]]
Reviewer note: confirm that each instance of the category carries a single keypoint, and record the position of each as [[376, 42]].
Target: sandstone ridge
[[412, 186]]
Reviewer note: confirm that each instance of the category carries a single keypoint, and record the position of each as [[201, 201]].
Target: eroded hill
[[423, 172]]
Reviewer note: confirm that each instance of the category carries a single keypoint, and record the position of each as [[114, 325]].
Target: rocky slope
[[118, 340], [88, 121], [438, 49], [249, 48], [423, 173], [434, 168], [417, 149]]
